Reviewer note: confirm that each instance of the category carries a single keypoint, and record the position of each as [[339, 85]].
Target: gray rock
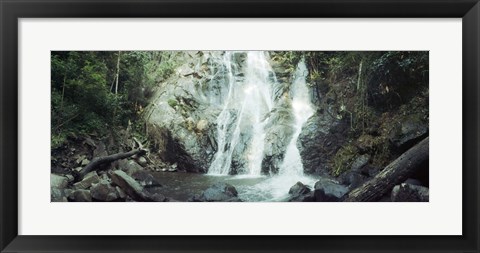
[[353, 179], [409, 193], [145, 178], [299, 189], [329, 191], [100, 150], [359, 162], [81, 196], [59, 195], [408, 132], [58, 181], [307, 197], [321, 136], [120, 192], [131, 187], [129, 166], [89, 179], [104, 191], [84, 162], [220, 192], [142, 161], [278, 134]]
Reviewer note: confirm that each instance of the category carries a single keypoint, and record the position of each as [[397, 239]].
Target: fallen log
[[395, 173], [108, 159]]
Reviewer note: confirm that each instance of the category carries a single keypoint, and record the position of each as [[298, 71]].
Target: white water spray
[[291, 169], [244, 114]]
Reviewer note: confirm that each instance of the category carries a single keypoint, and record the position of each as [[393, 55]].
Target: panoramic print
[[239, 126]]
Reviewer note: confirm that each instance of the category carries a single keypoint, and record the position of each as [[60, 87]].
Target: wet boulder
[[81, 195], [131, 187], [409, 193], [219, 192], [88, 180], [58, 181], [299, 189], [146, 179], [59, 195], [104, 191], [327, 190], [129, 166], [411, 130], [300, 193]]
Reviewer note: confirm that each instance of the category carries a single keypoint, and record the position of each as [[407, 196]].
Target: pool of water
[[181, 186]]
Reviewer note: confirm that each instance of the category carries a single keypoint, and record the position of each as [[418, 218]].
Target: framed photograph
[[319, 126]]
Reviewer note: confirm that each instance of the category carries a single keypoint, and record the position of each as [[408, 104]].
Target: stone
[[202, 125], [129, 166], [329, 191], [84, 162], [353, 179], [360, 162], [59, 195], [81, 196], [131, 187], [145, 178], [308, 197], [58, 181], [411, 130], [120, 192], [409, 193], [142, 161], [321, 135], [220, 192], [154, 194], [104, 191], [299, 189], [100, 150], [89, 179]]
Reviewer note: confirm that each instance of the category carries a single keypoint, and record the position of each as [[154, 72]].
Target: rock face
[[329, 191], [410, 193], [279, 130], [181, 119], [220, 192]]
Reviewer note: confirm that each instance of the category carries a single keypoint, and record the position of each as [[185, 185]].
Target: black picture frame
[[11, 11]]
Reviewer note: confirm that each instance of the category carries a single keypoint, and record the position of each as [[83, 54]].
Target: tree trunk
[[118, 73], [395, 173], [108, 159]]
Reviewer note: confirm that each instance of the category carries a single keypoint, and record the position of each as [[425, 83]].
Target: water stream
[[241, 125]]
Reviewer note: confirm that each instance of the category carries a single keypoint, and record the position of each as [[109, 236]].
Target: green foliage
[[84, 96], [172, 102], [343, 159]]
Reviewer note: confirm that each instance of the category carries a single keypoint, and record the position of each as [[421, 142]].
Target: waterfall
[[242, 119], [303, 110], [291, 169]]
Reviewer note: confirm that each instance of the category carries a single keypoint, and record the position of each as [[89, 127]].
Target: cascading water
[[291, 169], [302, 110], [242, 119]]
